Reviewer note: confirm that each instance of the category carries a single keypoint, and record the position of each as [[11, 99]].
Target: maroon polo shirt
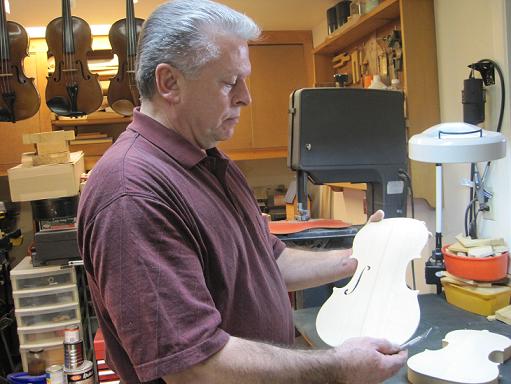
[[177, 254]]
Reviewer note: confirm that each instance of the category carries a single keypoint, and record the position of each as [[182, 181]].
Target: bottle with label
[[377, 83], [395, 85]]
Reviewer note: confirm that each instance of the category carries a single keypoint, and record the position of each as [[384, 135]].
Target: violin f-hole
[[366, 268], [82, 70]]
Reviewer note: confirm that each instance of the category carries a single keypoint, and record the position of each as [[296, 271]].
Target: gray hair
[[182, 33]]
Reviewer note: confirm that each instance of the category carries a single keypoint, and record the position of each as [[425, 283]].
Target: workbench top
[[436, 313]]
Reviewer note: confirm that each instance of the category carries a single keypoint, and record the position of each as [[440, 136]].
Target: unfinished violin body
[[376, 302], [467, 357]]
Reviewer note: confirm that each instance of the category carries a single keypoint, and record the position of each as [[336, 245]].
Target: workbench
[[436, 313]]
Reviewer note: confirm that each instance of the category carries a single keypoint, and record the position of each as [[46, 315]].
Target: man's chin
[[226, 134]]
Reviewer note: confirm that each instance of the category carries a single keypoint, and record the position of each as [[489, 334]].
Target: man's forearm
[[362, 360], [249, 362], [305, 269]]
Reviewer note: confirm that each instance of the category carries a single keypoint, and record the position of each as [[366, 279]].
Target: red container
[[476, 268]]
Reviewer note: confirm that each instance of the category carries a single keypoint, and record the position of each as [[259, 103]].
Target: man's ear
[[166, 79]]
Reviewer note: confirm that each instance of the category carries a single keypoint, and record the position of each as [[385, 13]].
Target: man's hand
[[379, 215], [365, 360], [348, 264]]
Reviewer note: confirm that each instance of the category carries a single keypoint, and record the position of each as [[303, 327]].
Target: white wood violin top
[[376, 302], [468, 357]]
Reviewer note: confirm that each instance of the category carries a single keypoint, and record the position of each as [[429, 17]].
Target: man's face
[[210, 103]]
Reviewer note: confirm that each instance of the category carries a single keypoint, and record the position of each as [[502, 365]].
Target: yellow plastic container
[[483, 301]]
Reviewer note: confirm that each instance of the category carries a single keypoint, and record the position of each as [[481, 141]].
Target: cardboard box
[[346, 203], [46, 181]]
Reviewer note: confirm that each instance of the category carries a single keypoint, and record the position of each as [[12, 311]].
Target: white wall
[[468, 31]]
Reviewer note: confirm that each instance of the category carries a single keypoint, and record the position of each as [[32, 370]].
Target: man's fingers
[[377, 216]]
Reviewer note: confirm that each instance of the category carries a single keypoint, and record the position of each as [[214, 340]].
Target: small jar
[[36, 363], [355, 8]]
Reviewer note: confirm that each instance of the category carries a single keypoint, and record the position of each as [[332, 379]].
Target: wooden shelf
[[91, 121], [386, 11], [257, 154]]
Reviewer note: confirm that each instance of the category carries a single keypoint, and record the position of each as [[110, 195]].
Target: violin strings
[[130, 21], [3, 52], [71, 45], [4, 56]]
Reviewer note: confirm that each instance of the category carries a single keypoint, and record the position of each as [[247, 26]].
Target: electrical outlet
[[490, 213]]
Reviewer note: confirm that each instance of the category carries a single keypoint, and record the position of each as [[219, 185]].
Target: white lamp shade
[[456, 143]]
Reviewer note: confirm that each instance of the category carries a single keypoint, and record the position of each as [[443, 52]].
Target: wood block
[[483, 251], [469, 242], [450, 278], [504, 314], [47, 137], [457, 247], [52, 147], [51, 158], [27, 159]]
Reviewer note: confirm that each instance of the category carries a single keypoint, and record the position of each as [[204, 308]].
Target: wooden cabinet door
[[277, 70]]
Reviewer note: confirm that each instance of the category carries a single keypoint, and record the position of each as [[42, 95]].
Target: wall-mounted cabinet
[[419, 77]]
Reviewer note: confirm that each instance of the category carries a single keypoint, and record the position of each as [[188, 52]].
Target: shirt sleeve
[[277, 245], [149, 272]]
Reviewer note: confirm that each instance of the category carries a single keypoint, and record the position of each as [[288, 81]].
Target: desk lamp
[[453, 143]]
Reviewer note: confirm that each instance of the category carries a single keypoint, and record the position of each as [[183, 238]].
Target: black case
[[55, 247]]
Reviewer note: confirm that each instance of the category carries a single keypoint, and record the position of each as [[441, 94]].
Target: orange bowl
[[476, 268]]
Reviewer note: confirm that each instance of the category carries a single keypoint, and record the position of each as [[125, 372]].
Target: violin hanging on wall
[[19, 97], [72, 89], [123, 93]]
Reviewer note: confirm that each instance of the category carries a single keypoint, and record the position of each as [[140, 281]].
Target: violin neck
[[131, 27], [68, 43], [4, 38]]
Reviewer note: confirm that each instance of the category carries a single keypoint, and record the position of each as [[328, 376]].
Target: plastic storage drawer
[[53, 353], [43, 297], [45, 334], [51, 315], [25, 276]]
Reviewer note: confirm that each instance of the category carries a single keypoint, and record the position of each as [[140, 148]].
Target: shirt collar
[[168, 140]]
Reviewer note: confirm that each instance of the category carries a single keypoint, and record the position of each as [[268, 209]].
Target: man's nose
[[242, 96]]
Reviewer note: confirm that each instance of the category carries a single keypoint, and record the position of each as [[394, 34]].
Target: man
[[187, 282]]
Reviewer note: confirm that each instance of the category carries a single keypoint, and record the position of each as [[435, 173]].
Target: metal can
[[84, 374], [54, 374], [73, 348]]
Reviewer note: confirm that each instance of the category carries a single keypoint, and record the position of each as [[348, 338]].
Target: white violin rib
[[463, 359], [376, 302]]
